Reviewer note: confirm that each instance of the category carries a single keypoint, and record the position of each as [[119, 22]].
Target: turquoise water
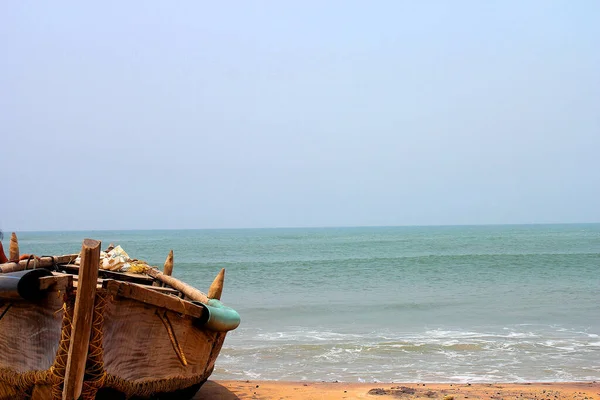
[[449, 304]]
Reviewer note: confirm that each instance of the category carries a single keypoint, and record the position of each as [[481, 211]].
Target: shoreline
[[233, 390]]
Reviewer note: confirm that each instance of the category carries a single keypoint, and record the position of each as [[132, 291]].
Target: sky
[[252, 114]]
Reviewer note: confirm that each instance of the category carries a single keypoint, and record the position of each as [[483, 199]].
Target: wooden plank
[[121, 276], [81, 326], [184, 288], [56, 282], [165, 290], [98, 285], [147, 295]]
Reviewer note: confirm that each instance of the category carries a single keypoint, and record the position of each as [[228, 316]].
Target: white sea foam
[[444, 355]]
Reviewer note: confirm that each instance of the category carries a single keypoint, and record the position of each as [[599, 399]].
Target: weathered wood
[[13, 250], [56, 282], [184, 288], [168, 267], [81, 326], [216, 288], [44, 262], [178, 351], [122, 276], [147, 295], [98, 285], [138, 347], [164, 289]]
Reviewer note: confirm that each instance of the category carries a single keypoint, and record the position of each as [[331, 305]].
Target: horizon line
[[307, 227]]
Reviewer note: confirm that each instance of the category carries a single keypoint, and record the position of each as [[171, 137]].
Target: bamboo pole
[[44, 262], [216, 288], [168, 267], [81, 326], [184, 288], [13, 250]]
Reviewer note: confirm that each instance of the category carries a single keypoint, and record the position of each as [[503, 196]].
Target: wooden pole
[[184, 288], [81, 327], [13, 250], [168, 267], [216, 288], [44, 262]]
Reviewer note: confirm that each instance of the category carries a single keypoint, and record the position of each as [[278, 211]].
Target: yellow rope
[[178, 350], [94, 367], [23, 383], [58, 369]]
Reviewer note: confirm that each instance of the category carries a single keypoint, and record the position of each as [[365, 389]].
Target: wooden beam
[[184, 288], [147, 295], [81, 327], [56, 282], [44, 262], [122, 276], [165, 289]]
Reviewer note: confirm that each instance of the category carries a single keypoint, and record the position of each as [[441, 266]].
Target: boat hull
[[136, 349]]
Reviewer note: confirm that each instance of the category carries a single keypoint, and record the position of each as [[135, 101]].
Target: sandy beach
[[231, 390]]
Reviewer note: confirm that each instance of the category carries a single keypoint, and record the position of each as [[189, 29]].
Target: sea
[[509, 303]]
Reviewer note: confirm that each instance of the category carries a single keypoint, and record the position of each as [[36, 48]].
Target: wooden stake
[[13, 250], [81, 326], [168, 268], [184, 288], [216, 288]]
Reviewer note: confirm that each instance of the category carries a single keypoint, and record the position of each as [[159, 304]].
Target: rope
[[58, 369], [29, 258], [178, 350], [23, 383], [95, 374], [53, 267]]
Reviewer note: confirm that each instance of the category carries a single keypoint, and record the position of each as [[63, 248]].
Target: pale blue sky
[[146, 114]]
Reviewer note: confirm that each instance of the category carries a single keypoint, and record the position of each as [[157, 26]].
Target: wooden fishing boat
[[71, 331]]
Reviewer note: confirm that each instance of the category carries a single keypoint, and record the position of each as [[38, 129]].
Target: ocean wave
[[546, 353]]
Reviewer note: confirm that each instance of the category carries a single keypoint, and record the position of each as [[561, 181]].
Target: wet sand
[[231, 390]]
